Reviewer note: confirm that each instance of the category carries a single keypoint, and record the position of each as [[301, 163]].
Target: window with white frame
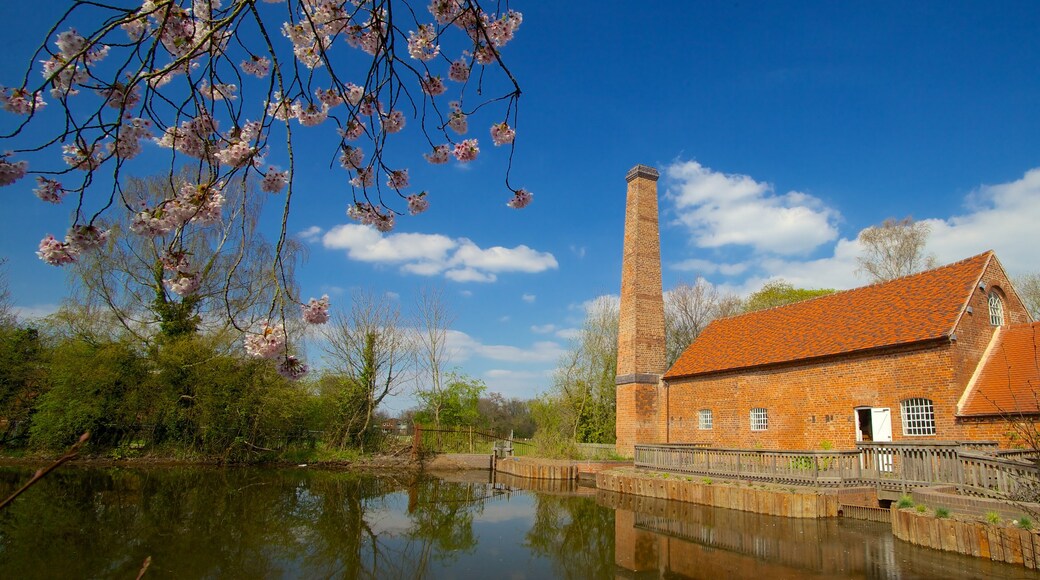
[[759, 419], [996, 310], [704, 419], [918, 416]]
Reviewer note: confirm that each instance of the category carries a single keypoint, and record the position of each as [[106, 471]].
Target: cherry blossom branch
[[71, 454]]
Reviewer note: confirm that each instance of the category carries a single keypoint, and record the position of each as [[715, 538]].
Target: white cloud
[[517, 384], [310, 234], [34, 311], [543, 329], [578, 251], [462, 347], [1000, 217], [722, 209], [459, 260], [708, 267], [466, 293], [568, 333], [529, 298]]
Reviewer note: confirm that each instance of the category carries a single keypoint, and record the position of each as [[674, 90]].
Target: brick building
[[945, 354]]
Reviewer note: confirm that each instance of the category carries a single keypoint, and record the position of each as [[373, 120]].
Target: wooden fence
[[974, 468]]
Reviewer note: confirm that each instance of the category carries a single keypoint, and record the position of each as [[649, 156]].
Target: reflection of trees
[[575, 534], [249, 523]]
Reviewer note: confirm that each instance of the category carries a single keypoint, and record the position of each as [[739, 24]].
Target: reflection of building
[[941, 354]]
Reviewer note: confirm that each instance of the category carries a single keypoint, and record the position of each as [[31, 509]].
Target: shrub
[[707, 481], [921, 509], [941, 512], [905, 501], [993, 518], [1025, 523]]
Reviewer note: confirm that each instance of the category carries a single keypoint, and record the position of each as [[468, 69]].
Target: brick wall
[[641, 346], [812, 403]]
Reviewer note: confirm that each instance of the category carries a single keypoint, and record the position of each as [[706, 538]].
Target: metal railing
[[892, 466]]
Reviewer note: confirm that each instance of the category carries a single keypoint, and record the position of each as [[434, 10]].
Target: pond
[[90, 522]]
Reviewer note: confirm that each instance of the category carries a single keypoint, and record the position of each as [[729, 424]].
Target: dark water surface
[[83, 522]]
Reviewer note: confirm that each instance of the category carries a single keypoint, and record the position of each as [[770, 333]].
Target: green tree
[[455, 405], [780, 293]]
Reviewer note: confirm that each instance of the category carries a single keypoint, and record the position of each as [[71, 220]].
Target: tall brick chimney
[[641, 347]]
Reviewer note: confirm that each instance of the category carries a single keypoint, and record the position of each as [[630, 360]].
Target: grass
[[1024, 522], [921, 509], [993, 518], [707, 481], [905, 501], [941, 512]]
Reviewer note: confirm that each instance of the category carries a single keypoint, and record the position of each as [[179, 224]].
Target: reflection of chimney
[[641, 347]]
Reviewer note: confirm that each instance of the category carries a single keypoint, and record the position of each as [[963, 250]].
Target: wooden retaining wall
[[790, 504], [982, 540], [537, 468]]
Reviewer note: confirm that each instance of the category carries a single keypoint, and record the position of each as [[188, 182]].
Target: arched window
[[918, 416], [996, 310]]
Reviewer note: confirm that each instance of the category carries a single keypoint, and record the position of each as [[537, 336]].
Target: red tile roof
[[916, 308], [1008, 381]]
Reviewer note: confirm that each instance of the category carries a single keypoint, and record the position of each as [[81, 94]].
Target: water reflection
[[306, 523]]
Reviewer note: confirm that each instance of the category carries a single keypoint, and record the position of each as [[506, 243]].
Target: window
[[918, 417], [704, 419], [996, 310], [759, 419]]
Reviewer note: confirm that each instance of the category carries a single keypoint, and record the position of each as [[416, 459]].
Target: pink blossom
[[316, 311], [466, 151], [369, 105], [393, 122], [258, 66], [280, 109], [217, 92], [484, 54], [49, 190], [128, 143], [445, 10], [352, 157], [398, 179], [292, 368], [20, 101], [11, 172], [268, 342], [82, 239], [120, 96], [502, 133], [440, 154], [422, 44], [330, 98], [521, 198], [353, 130], [433, 86], [183, 283], [418, 203], [366, 177], [457, 119], [54, 252], [274, 180], [370, 215], [354, 94], [310, 115], [459, 71], [86, 158]]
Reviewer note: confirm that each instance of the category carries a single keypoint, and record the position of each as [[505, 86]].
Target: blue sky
[[780, 130]]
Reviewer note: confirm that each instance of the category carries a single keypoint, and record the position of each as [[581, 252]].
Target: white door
[[881, 424]]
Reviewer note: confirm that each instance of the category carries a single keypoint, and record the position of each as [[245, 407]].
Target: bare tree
[[7, 316], [688, 309], [370, 348], [1028, 287], [894, 249], [432, 321]]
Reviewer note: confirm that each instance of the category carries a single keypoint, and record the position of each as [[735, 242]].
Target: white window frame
[[705, 420], [759, 418], [996, 309], [918, 415]]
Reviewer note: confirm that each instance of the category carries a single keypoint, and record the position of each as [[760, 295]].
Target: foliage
[[993, 518], [905, 501], [921, 508], [456, 405], [942, 513], [1024, 522], [894, 249], [779, 293], [22, 378]]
